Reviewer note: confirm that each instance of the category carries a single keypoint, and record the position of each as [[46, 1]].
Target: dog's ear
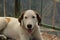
[[38, 18], [21, 17]]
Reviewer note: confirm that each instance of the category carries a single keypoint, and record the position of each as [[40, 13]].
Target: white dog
[[24, 28], [29, 27]]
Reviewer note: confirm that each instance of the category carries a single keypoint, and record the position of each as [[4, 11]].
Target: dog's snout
[[29, 26]]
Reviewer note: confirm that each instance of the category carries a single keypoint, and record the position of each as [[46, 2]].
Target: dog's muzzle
[[29, 26]]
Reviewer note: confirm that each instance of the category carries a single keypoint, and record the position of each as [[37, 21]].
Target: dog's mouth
[[29, 30]]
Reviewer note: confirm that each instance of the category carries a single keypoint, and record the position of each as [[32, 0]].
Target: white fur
[[30, 20], [3, 22], [16, 31], [12, 27], [34, 22]]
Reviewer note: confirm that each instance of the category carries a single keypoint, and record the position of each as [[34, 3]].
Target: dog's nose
[[29, 26]]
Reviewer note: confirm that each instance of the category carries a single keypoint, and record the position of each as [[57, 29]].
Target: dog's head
[[29, 19]]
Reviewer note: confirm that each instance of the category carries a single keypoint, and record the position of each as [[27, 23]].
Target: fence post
[[4, 8], [16, 7], [29, 4], [54, 12]]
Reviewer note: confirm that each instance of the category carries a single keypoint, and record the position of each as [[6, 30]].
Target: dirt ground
[[50, 34]]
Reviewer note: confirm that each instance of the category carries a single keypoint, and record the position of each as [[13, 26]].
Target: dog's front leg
[[18, 39], [3, 37], [38, 35]]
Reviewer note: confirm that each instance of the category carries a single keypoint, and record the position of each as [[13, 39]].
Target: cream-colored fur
[[32, 18], [19, 31], [11, 26], [3, 22]]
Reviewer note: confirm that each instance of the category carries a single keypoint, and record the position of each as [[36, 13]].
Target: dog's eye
[[33, 16], [26, 17]]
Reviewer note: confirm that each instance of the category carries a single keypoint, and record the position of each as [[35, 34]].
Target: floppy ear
[[38, 18], [21, 17]]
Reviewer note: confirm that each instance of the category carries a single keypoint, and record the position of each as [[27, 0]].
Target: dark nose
[[29, 26]]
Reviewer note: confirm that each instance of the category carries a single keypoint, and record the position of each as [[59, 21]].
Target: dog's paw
[[3, 37], [10, 38]]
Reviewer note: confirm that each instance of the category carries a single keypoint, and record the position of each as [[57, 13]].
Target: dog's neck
[[33, 38], [30, 36]]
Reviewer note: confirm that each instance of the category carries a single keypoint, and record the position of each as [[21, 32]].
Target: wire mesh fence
[[48, 9]]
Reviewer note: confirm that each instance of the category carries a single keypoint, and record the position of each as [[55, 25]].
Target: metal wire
[[4, 8], [47, 9], [29, 4], [21, 3]]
